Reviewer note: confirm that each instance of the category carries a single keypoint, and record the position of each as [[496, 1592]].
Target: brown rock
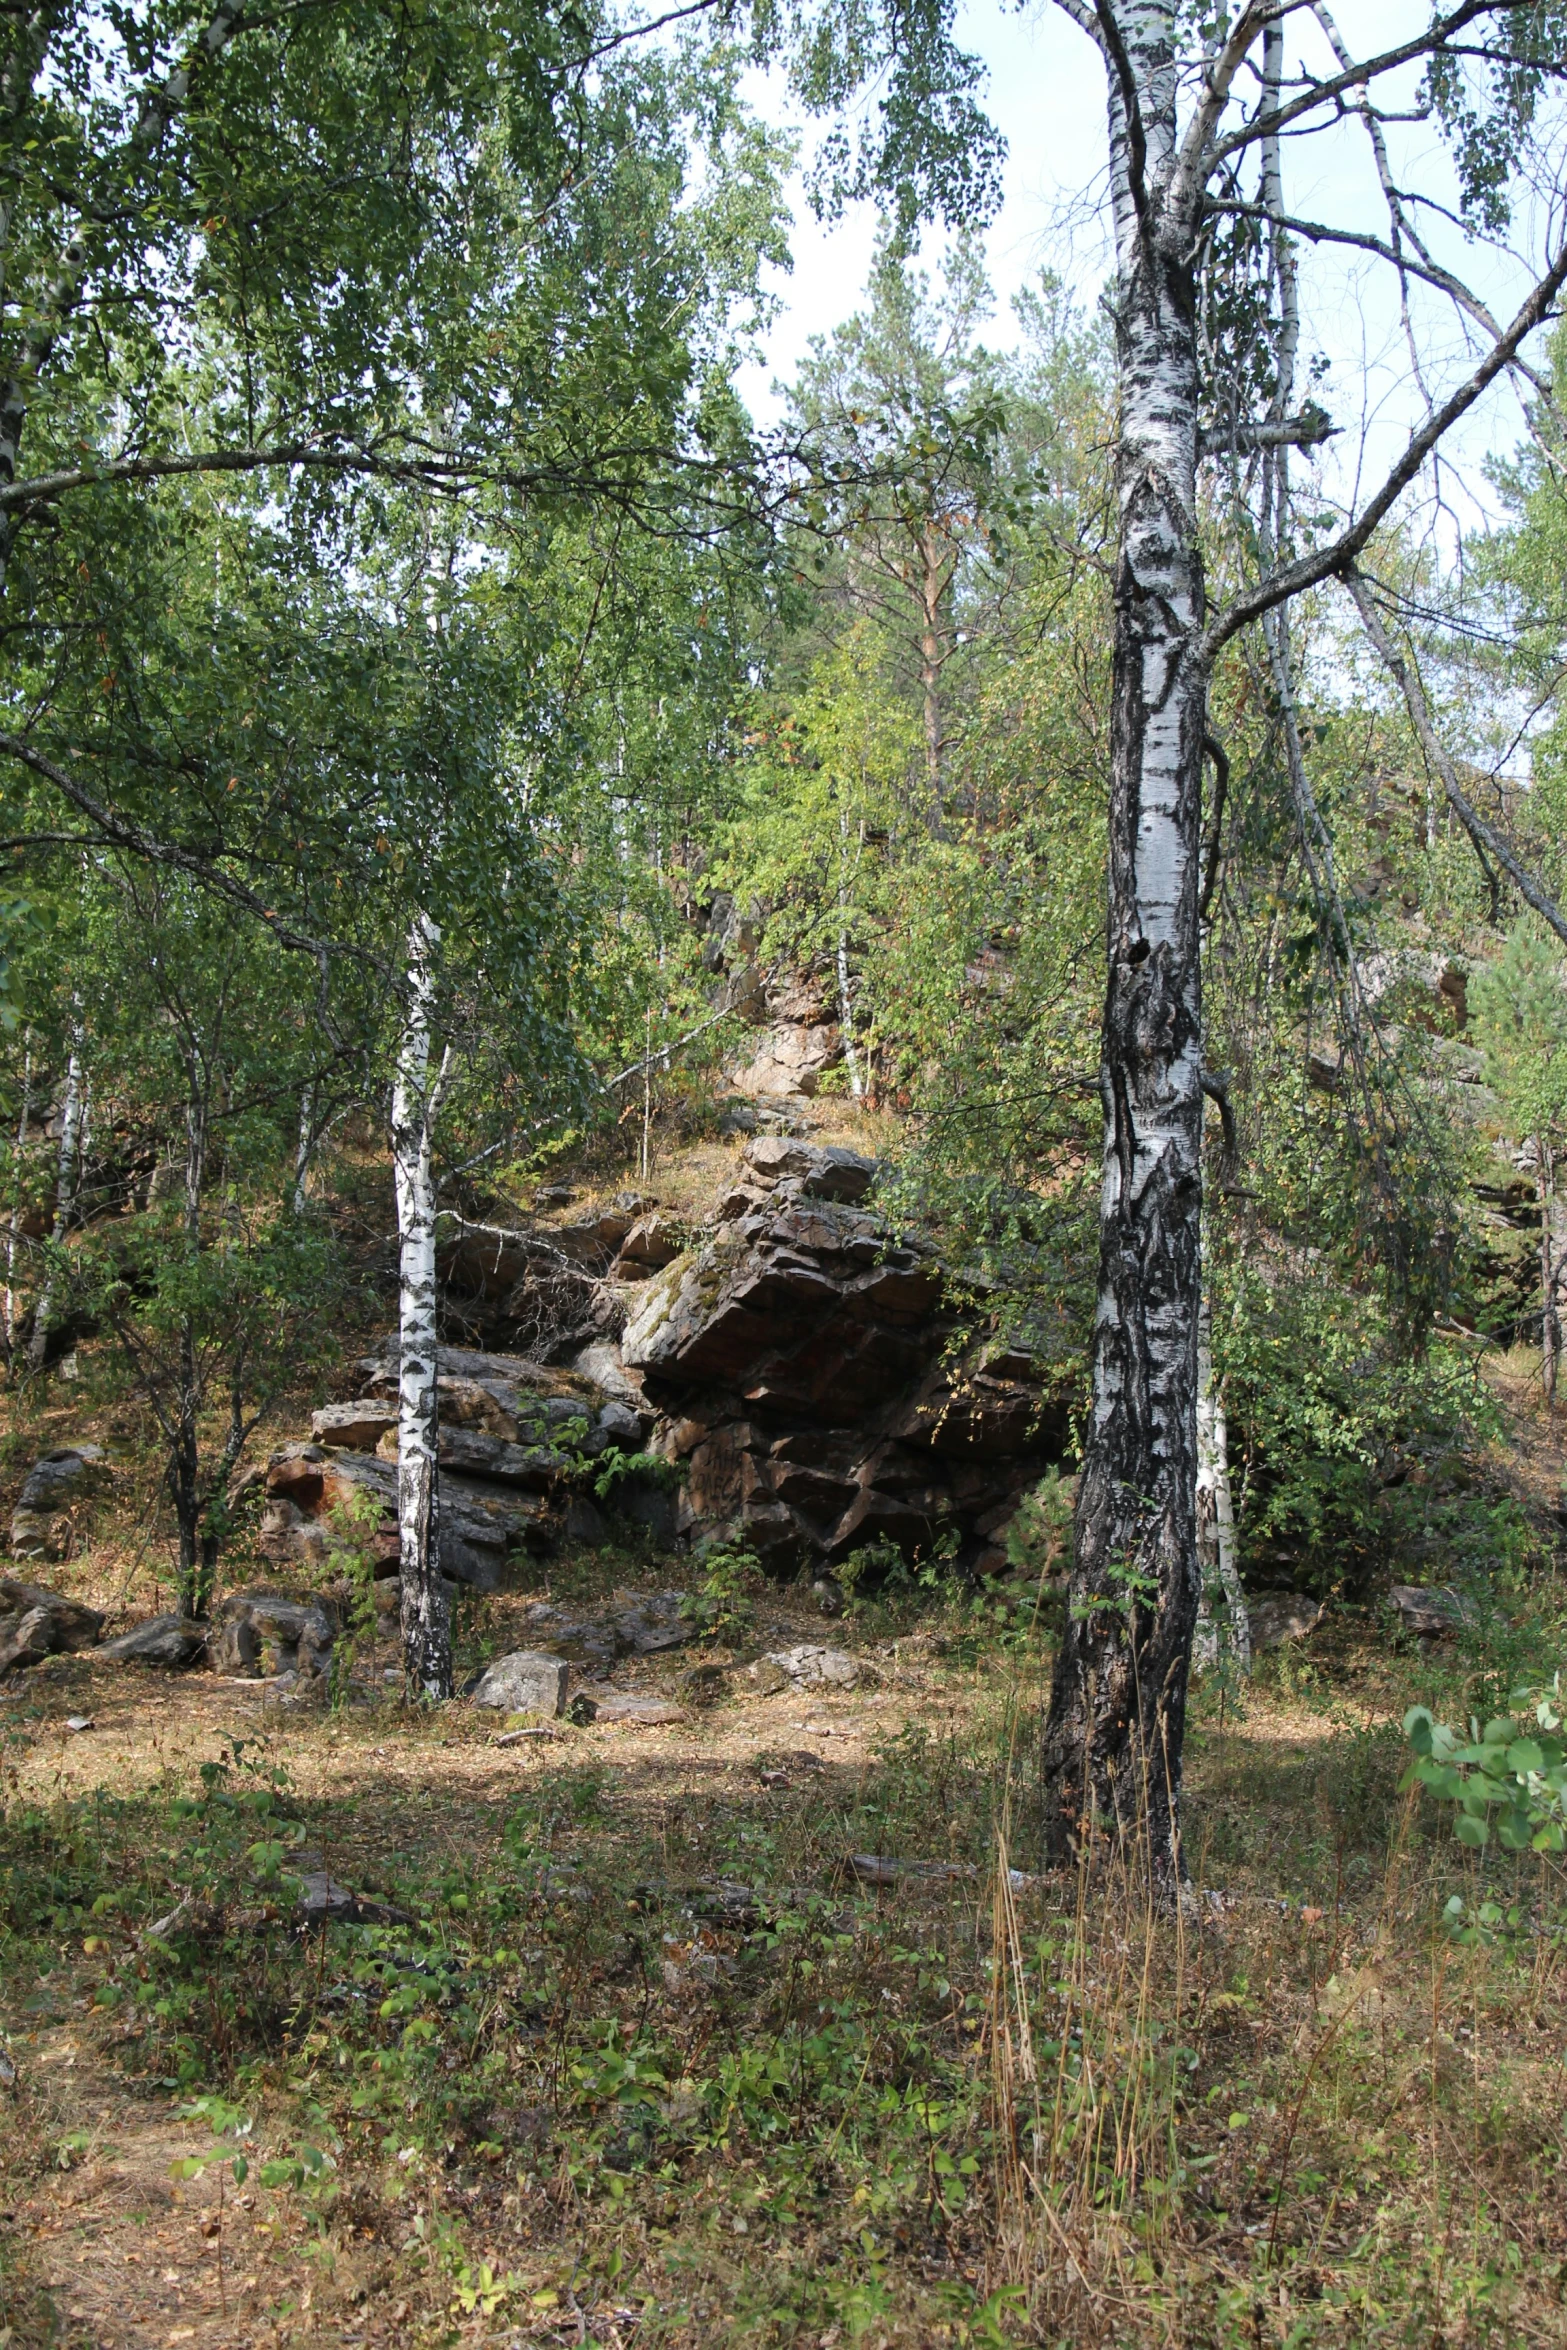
[[354, 1427]]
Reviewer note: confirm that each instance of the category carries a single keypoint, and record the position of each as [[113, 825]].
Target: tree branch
[[1311, 569], [1304, 431], [1485, 836]]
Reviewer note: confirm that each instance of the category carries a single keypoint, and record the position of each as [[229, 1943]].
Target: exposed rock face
[[35, 1623], [39, 1527], [798, 1354], [513, 1438]]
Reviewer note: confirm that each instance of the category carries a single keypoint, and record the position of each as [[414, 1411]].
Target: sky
[[1046, 94]]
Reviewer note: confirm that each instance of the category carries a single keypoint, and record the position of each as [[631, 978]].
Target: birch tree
[[1185, 122], [416, 1101]]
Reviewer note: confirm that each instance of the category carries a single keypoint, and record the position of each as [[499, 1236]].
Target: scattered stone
[[174, 1642], [828, 1596], [35, 1623], [554, 1195], [54, 1481], [1431, 1612], [1277, 1616], [263, 1634], [354, 1427], [526, 1682], [766, 1677], [80, 1722], [617, 1424], [323, 1900], [810, 1667], [528, 1730], [625, 1706]]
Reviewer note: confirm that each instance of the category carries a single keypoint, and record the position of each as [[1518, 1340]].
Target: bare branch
[[1304, 431], [1485, 836], [1325, 561]]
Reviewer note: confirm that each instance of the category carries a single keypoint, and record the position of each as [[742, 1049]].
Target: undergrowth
[[666, 2067]]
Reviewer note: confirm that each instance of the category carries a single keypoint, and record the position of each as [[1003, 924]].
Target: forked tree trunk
[[1113, 1736], [426, 1616]]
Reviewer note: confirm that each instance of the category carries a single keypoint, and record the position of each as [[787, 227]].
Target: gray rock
[[35, 1623], [603, 1365], [616, 1424], [1277, 1616], [526, 1682], [262, 1631], [171, 1641], [354, 1427], [1431, 1611], [625, 1705], [53, 1482], [811, 1667], [828, 1596]]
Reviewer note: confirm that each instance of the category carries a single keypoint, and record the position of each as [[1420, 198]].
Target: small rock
[[526, 1682], [828, 1596], [617, 1424], [171, 1641], [624, 1705], [528, 1730], [810, 1667], [554, 1195], [1277, 1616], [80, 1722], [766, 1677]]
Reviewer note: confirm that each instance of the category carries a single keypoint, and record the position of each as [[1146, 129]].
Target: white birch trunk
[[426, 1615], [303, 1149], [1116, 1725], [1223, 1630], [67, 1172]]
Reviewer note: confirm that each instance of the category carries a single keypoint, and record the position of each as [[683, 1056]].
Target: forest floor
[[638, 2059]]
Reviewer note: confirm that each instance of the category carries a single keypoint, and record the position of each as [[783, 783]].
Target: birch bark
[[1114, 1731], [18, 1161], [426, 1614], [1223, 1630]]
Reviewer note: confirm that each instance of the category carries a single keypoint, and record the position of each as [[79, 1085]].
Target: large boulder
[[39, 1525], [264, 1632], [801, 1355], [35, 1623]]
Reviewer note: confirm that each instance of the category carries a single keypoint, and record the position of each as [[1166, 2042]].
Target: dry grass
[[951, 2112]]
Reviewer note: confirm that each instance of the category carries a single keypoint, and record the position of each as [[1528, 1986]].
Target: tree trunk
[[304, 1148], [1113, 1735], [67, 1173], [17, 1163], [1223, 1632], [932, 584], [1552, 1257], [851, 1059], [426, 1617], [198, 1559]]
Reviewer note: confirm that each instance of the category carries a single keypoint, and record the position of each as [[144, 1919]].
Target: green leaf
[[1470, 1830]]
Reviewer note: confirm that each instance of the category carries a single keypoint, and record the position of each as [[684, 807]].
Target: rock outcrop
[[517, 1441], [799, 1355]]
